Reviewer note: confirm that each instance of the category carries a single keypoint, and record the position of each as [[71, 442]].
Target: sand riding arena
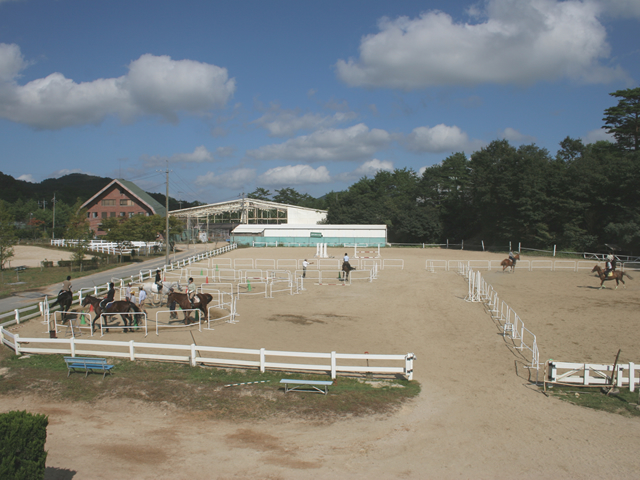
[[477, 392]]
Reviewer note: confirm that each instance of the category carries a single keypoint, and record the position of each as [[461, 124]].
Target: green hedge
[[22, 439]]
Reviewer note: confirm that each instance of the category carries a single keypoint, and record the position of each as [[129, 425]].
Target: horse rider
[[66, 285], [191, 290], [608, 266], [158, 280], [111, 293], [127, 295]]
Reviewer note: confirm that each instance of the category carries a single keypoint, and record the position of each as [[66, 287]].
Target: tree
[[623, 120], [260, 194], [7, 234]]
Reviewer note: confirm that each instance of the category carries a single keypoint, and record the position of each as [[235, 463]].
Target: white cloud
[[232, 179], [294, 175], [223, 152], [515, 136], [620, 8], [368, 169], [515, 42], [199, 155], [596, 135], [27, 177], [353, 143], [154, 85], [438, 139], [285, 123]]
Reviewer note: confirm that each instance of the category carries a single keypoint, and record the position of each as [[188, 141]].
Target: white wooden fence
[[433, 265], [627, 374], [262, 358]]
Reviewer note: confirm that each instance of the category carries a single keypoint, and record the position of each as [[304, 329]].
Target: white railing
[[35, 310], [594, 374], [262, 358]]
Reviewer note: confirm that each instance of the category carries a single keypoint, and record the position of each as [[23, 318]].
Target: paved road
[[23, 299]]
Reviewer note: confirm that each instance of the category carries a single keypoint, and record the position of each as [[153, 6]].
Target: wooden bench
[[314, 384], [88, 364]]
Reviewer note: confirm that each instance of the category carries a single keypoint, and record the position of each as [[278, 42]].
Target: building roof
[[135, 191], [237, 205]]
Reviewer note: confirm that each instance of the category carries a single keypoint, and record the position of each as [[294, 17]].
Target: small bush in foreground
[[22, 439]]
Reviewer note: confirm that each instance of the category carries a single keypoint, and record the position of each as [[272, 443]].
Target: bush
[[22, 439]]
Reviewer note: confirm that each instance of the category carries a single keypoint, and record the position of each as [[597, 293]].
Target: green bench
[[87, 364], [317, 386]]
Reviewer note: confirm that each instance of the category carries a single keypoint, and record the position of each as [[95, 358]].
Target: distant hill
[[67, 189]]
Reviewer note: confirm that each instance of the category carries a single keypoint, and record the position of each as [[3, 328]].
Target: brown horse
[[613, 275], [122, 307], [508, 263], [346, 268], [182, 299]]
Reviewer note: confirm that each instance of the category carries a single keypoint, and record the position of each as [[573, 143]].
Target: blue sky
[[310, 95]]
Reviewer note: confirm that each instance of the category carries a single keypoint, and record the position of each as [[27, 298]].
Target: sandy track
[[475, 418]]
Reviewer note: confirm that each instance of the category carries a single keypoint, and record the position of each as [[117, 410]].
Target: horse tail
[[628, 276]]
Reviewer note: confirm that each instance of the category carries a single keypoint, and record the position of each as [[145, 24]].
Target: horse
[[152, 289], [613, 275], [507, 262], [182, 299], [65, 299], [346, 268], [121, 306]]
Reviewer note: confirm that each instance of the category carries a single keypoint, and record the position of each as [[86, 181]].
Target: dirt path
[[475, 418]]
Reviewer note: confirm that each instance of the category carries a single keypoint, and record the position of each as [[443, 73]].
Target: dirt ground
[[475, 418], [33, 256]]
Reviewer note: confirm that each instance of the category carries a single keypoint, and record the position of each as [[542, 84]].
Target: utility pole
[[53, 232], [166, 240]]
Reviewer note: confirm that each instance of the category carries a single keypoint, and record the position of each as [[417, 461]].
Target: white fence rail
[[594, 374], [433, 265], [262, 358]]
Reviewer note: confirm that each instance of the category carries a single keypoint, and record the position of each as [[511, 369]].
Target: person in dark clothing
[[158, 280], [110, 296]]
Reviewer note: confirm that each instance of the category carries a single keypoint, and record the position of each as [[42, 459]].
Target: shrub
[[22, 439]]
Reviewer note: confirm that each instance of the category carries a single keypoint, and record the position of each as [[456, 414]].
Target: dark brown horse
[[613, 275], [507, 262], [346, 268], [200, 302], [122, 307], [65, 299]]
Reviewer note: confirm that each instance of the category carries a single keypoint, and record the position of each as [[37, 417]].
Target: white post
[[554, 250], [16, 346], [72, 344], [262, 368], [17, 316], [333, 365], [132, 353], [193, 353], [632, 377]]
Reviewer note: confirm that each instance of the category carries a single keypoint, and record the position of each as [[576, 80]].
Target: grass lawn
[[203, 388], [623, 403]]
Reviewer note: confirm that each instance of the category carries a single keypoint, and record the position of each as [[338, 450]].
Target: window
[[126, 202], [121, 214], [88, 214], [94, 214], [112, 214], [104, 214], [109, 202], [131, 214], [100, 228]]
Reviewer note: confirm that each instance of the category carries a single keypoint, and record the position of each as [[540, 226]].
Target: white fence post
[[333, 365], [132, 352], [17, 316], [17, 344], [262, 367], [193, 355]]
